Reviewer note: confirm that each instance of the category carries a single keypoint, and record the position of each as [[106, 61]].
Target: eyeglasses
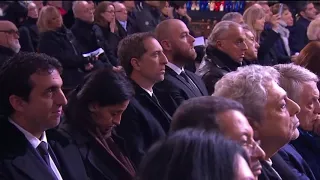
[[122, 10], [251, 148], [111, 12], [11, 32]]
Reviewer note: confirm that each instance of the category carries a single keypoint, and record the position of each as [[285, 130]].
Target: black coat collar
[[221, 59]]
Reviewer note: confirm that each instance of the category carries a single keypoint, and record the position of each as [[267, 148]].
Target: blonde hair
[[45, 16], [313, 31], [251, 15]]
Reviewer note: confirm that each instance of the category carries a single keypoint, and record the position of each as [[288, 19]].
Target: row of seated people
[[69, 46], [154, 97], [93, 28], [87, 144]]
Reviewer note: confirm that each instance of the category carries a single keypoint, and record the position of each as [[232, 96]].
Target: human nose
[[258, 152], [293, 107], [317, 107], [163, 58], [191, 39], [61, 98], [257, 45], [116, 121]]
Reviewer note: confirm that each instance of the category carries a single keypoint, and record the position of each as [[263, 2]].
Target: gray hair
[[247, 85], [292, 77], [221, 30], [313, 31], [75, 5], [230, 16], [246, 28]]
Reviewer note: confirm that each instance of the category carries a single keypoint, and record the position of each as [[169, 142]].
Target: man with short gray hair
[[270, 112], [233, 16], [225, 51], [301, 86]]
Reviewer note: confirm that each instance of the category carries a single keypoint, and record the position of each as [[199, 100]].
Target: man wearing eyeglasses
[[9, 40]]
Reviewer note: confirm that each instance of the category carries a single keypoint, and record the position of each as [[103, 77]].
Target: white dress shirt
[[149, 92], [123, 24], [175, 68], [35, 143]]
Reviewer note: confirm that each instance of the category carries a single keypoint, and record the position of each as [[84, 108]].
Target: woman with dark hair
[[93, 110], [194, 154], [16, 12]]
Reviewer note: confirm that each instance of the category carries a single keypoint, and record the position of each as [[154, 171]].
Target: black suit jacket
[[100, 165], [20, 161], [297, 164], [178, 90], [140, 124], [280, 166]]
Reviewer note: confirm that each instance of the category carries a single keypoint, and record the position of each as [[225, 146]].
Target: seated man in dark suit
[[144, 121], [177, 45], [301, 86], [31, 103], [270, 112]]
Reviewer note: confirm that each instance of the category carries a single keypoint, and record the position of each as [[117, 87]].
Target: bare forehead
[[118, 5], [310, 88], [46, 79], [236, 32], [152, 45], [275, 92], [7, 25]]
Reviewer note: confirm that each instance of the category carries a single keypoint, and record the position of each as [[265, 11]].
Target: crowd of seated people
[[105, 91]]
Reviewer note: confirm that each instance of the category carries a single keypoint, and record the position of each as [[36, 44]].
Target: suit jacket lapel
[[72, 166], [32, 166], [141, 93], [197, 83], [27, 159], [181, 79]]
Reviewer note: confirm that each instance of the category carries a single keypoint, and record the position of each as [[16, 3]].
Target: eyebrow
[[156, 51], [52, 87], [283, 96]]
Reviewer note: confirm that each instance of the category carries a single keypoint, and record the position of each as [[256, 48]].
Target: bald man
[[124, 22], [177, 45], [9, 40]]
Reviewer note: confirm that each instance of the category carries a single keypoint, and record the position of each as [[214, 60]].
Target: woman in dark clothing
[[104, 17], [195, 154], [29, 34], [57, 41], [93, 110], [16, 12]]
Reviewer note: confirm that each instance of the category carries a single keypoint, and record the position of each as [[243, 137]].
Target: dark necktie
[[154, 97], [190, 83], [43, 150]]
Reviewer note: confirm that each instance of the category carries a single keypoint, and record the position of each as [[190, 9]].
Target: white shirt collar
[[149, 92], [123, 24], [269, 161], [34, 141], [175, 68]]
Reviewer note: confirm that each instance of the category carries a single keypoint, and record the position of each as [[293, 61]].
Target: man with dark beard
[[180, 84]]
